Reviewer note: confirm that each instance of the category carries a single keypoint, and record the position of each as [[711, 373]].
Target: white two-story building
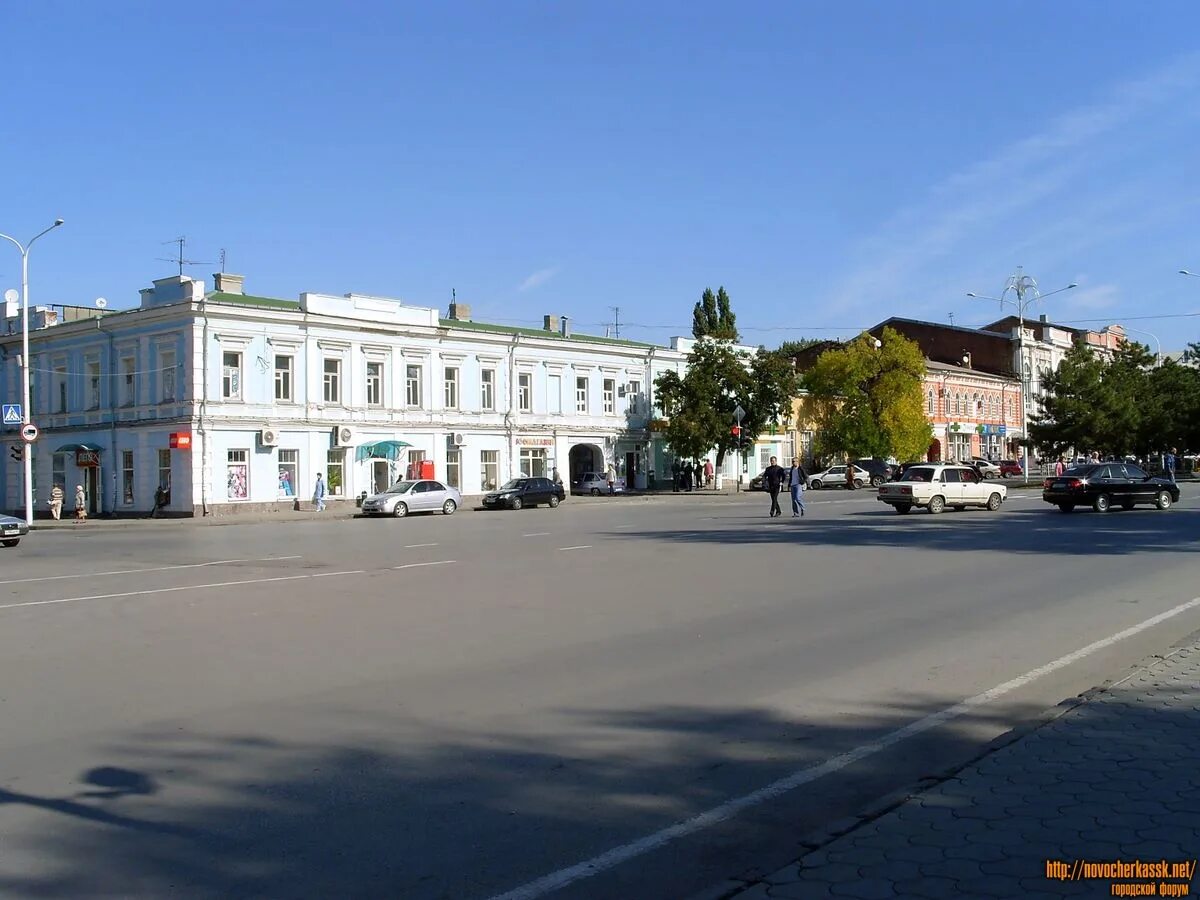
[[229, 401]]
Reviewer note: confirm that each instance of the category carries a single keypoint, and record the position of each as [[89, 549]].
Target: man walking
[[56, 501], [797, 480], [319, 493], [1169, 464], [773, 479], [676, 475]]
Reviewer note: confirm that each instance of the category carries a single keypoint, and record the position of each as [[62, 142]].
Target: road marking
[[718, 814], [217, 562], [440, 562], [628, 525], [578, 547], [415, 546], [538, 534], [168, 590]]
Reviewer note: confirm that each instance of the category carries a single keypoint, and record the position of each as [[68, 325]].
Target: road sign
[[29, 433], [739, 413], [12, 414]]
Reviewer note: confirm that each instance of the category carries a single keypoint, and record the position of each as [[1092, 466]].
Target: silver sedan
[[416, 496]]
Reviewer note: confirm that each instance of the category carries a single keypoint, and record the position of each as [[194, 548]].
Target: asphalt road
[[499, 703]]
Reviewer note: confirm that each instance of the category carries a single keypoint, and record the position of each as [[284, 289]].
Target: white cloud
[[537, 279]]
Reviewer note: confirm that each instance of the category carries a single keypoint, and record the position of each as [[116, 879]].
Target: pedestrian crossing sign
[[12, 414]]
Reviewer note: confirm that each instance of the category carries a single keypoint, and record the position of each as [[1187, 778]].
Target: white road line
[[614, 857], [578, 547], [627, 525], [415, 546], [440, 562], [538, 534], [216, 562]]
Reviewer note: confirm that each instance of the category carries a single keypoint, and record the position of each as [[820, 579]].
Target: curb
[[730, 888]]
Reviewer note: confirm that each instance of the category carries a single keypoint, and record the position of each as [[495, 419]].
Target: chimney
[[1042, 317], [225, 283], [566, 326], [550, 323], [459, 312]]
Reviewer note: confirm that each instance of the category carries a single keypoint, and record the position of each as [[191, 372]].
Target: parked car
[[595, 483], [1104, 484], [1011, 467], [12, 530], [936, 486], [413, 496], [878, 469], [521, 492], [986, 467], [835, 476]]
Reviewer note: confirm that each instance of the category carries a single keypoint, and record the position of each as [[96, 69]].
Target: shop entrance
[[585, 458], [91, 489], [380, 475]]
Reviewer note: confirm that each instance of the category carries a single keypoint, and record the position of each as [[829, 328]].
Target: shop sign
[[87, 459], [180, 440], [535, 442]]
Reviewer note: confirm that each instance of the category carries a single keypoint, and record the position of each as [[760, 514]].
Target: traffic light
[[17, 452]]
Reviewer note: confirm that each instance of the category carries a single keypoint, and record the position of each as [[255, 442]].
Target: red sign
[[87, 459], [181, 440]]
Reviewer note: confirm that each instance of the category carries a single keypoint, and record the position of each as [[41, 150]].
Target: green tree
[[791, 348], [868, 399], [1171, 409], [712, 317]]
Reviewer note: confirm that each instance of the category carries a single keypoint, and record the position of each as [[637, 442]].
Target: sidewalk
[[1114, 779]]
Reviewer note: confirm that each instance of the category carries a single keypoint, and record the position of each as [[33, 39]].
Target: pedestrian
[[688, 476], [56, 501], [1169, 464], [850, 485], [797, 480], [1060, 467], [699, 470], [676, 475], [557, 478], [161, 498], [612, 479], [773, 477], [708, 471], [80, 504], [319, 493]]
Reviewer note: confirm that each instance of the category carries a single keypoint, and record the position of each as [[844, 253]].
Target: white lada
[[937, 486]]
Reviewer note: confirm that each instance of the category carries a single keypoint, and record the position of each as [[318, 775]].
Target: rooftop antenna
[[222, 260], [179, 260], [616, 320], [951, 318]]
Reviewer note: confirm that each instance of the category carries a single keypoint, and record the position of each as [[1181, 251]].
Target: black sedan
[[522, 492], [1101, 485]]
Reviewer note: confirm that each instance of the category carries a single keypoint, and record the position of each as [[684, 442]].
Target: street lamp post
[[27, 412], [1157, 355], [1021, 285]]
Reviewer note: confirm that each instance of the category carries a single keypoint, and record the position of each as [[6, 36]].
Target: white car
[[937, 486], [835, 476], [986, 467]]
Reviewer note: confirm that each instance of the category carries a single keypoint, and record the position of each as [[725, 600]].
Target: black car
[[520, 492], [880, 471], [1101, 485]]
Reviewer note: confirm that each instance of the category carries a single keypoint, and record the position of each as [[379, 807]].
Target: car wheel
[[449, 507], [1101, 504], [877, 481], [937, 504], [815, 485], [903, 508], [994, 502], [1162, 501], [515, 503], [858, 482], [553, 502], [11, 542], [595, 492], [400, 511], [1066, 507]]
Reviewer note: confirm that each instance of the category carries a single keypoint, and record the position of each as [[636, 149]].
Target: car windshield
[[918, 473], [401, 487], [513, 485]]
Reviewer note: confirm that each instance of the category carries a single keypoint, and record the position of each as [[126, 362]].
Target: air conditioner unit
[[268, 437], [458, 439], [621, 391], [343, 436]]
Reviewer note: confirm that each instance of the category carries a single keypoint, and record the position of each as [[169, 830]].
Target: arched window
[[929, 401], [976, 406], [958, 404]]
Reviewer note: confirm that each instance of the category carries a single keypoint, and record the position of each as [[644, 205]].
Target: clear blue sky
[[830, 164]]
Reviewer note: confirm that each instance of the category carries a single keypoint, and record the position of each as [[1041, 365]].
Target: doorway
[[380, 475], [91, 489]]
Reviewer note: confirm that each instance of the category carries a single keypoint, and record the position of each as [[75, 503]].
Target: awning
[[75, 448], [389, 450]]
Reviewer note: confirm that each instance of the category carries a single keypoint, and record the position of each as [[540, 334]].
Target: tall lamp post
[[1025, 290], [1157, 355], [27, 412]]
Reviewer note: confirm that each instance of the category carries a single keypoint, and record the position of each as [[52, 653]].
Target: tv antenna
[[178, 258], [951, 318], [616, 320], [222, 260]]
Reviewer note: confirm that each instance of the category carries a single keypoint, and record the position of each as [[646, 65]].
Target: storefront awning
[[389, 450], [75, 448]]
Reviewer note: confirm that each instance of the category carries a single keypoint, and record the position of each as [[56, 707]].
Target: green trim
[[247, 300], [542, 333]]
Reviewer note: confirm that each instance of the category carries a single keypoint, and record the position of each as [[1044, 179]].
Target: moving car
[[937, 486], [878, 469], [521, 492], [421, 495], [835, 476], [1011, 467], [12, 530], [1100, 485], [594, 483], [986, 467]]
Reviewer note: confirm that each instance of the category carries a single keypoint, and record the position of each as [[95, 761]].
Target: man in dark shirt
[[773, 480]]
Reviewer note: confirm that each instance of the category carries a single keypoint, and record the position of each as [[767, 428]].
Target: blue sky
[[830, 164]]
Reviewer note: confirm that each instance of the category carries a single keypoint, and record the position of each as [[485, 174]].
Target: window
[[454, 469], [533, 462], [283, 379], [58, 470], [929, 402], [489, 467], [335, 472], [487, 390], [374, 384], [635, 391], [60, 381], [166, 362], [960, 446], [127, 477], [976, 406], [581, 395], [164, 473], [950, 476], [525, 391], [289, 472], [93, 384], [450, 380], [332, 381], [237, 473], [412, 383], [128, 384], [554, 394], [610, 393], [231, 375]]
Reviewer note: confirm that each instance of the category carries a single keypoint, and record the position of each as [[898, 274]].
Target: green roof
[[540, 332], [247, 300]]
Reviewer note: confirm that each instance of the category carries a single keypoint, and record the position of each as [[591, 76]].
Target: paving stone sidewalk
[[1116, 778]]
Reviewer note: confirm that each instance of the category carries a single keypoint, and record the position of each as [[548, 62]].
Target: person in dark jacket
[[797, 481], [688, 476], [773, 479]]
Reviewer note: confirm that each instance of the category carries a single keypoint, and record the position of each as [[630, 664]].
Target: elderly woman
[[80, 504]]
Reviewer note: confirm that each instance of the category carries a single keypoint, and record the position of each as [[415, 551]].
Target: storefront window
[[533, 462], [335, 470], [454, 469], [127, 477], [489, 462], [289, 470], [237, 474]]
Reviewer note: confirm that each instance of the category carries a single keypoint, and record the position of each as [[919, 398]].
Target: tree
[[1171, 413], [869, 399], [712, 317], [791, 348]]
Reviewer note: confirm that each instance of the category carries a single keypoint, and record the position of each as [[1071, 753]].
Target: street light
[[1021, 284], [27, 411], [1186, 272], [1158, 355]]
